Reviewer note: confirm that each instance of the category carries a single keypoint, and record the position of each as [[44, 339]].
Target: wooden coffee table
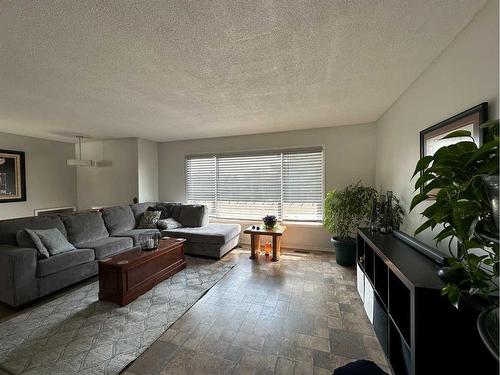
[[255, 234], [128, 275]]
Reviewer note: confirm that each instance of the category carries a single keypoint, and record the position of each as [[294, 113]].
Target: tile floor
[[301, 315]]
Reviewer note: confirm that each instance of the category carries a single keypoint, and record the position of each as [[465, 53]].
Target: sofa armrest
[[18, 282]]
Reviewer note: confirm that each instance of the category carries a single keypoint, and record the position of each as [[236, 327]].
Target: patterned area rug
[[77, 334]]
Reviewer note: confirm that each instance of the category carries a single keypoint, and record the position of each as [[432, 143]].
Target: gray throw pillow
[[53, 240], [169, 223], [149, 219], [32, 241]]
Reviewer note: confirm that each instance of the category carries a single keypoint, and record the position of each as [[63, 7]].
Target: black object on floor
[[360, 367]]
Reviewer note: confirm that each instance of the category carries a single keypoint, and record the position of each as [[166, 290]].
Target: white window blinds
[[288, 184]]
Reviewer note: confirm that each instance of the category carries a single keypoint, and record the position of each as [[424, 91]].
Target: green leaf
[[419, 198], [422, 164], [457, 133], [453, 293], [423, 179], [445, 233], [424, 226], [489, 147]]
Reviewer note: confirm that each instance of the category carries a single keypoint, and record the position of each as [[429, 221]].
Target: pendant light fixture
[[80, 162]]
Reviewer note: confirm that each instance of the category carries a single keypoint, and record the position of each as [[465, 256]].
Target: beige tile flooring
[[301, 315]]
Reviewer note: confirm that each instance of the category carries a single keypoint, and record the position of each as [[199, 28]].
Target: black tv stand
[[418, 329]]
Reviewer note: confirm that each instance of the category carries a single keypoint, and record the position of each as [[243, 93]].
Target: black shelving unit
[[415, 325]]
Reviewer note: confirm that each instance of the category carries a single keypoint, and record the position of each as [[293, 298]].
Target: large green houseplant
[[345, 210], [463, 209]]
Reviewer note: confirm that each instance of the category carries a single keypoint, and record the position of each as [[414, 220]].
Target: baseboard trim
[[301, 247]]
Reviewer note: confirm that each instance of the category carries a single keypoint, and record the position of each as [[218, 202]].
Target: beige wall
[[49, 182], [147, 153], [349, 156], [113, 184], [464, 75]]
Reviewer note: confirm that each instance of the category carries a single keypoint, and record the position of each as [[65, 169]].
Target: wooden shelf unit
[[415, 325]]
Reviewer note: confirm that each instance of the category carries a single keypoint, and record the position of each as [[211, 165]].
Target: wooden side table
[[275, 233]]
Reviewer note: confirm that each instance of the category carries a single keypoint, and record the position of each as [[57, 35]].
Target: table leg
[[254, 245], [276, 248]]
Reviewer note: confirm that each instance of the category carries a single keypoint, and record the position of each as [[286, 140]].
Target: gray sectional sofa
[[96, 235]]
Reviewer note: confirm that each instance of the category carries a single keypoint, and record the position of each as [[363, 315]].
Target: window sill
[[306, 224]]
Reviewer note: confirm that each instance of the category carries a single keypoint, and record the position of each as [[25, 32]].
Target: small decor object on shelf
[[386, 214], [374, 216], [383, 207], [149, 241], [269, 221]]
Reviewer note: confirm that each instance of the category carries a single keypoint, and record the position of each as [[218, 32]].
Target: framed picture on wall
[[431, 139], [12, 176]]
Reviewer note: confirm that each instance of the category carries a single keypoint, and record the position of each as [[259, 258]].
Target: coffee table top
[[276, 231], [136, 254]]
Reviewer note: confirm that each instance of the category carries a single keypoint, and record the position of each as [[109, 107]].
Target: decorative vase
[[491, 184], [374, 216]]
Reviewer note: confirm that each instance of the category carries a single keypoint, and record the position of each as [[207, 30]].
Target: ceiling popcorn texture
[[171, 70]]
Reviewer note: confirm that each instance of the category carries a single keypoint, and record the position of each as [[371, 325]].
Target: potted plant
[[269, 221], [466, 211], [345, 210]]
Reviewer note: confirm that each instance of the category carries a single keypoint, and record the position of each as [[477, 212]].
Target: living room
[[231, 187]]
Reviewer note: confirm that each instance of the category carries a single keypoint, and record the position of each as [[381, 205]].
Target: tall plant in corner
[[345, 210], [464, 211]]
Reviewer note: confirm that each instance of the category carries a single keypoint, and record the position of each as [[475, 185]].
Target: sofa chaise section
[[211, 240]]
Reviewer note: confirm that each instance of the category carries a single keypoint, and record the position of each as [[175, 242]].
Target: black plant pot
[[345, 251]]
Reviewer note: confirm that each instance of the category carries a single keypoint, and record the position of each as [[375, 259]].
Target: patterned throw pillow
[[169, 223], [149, 219]]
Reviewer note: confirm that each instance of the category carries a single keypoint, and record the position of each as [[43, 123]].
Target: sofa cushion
[[9, 228], [167, 209], [85, 227], [149, 219], [53, 241], [211, 233], [193, 215], [105, 247], [136, 233], [118, 219], [168, 223], [27, 238], [64, 261], [139, 208]]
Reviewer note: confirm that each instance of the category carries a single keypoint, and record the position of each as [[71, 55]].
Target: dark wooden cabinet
[[419, 331]]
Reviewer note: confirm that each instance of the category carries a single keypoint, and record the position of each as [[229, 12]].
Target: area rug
[[77, 334]]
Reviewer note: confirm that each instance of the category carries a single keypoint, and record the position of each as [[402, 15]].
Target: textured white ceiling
[[168, 70]]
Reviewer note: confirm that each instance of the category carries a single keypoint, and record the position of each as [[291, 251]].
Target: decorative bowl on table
[[269, 221]]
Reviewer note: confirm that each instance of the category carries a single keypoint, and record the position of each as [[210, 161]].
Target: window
[[288, 184]]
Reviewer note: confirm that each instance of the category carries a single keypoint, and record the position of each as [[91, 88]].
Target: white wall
[[464, 75], [49, 182], [349, 157], [111, 185], [147, 170]]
